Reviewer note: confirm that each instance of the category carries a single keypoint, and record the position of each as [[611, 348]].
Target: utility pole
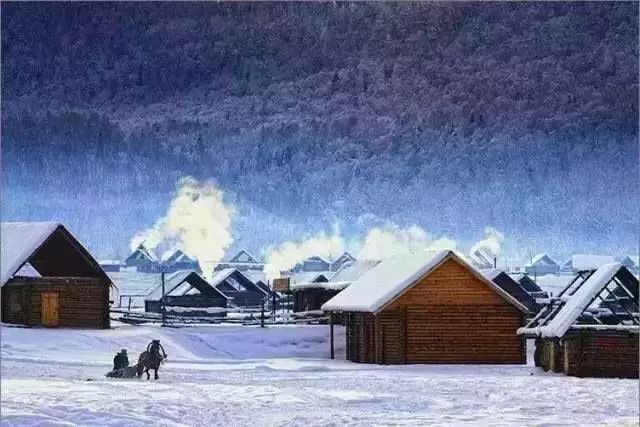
[[163, 308]]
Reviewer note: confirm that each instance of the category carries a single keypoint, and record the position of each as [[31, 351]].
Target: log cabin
[[143, 260], [311, 295], [189, 293], [591, 328], [49, 279], [429, 307], [513, 288], [242, 292]]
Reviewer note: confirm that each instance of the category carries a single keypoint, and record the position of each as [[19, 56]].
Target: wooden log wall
[[601, 354], [82, 302], [454, 317]]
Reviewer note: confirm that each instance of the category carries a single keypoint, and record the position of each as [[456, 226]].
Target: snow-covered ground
[[223, 375]]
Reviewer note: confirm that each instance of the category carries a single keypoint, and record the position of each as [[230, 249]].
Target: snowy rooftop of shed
[[582, 262], [573, 303], [18, 241], [389, 279]]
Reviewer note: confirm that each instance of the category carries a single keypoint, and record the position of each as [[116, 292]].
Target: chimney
[[495, 262]]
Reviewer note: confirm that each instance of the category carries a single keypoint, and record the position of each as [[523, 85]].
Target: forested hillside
[[452, 116]]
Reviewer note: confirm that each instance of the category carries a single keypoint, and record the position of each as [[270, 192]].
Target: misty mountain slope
[[451, 116]]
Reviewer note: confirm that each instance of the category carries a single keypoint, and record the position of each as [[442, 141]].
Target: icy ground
[[237, 376]]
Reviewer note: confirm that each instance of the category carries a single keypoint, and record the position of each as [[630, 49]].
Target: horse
[[151, 359]]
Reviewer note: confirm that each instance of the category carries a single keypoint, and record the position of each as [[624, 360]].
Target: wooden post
[[262, 314], [331, 332], [163, 307], [129, 306]]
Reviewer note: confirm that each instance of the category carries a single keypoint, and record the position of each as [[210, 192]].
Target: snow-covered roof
[[574, 305], [171, 283], [109, 262], [243, 253], [309, 276], [133, 282], [491, 273], [481, 258], [178, 256], [541, 259], [353, 271], [393, 276], [147, 253], [221, 275], [18, 241], [330, 286], [582, 262]]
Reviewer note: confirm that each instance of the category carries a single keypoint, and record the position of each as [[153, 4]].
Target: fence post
[[262, 314], [129, 306], [331, 329]]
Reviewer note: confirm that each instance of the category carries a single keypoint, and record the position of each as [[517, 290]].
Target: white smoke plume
[[288, 254], [379, 243], [390, 240], [491, 245], [198, 222]]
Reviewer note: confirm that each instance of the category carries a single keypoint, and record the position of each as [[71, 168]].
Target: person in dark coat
[[121, 360]]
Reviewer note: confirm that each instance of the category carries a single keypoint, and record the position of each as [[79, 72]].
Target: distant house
[[541, 264], [345, 258], [242, 261], [592, 328], [242, 292], [49, 279], [482, 259], [429, 308], [187, 292], [584, 262], [110, 265], [143, 260], [311, 264], [513, 288], [180, 261], [310, 295]]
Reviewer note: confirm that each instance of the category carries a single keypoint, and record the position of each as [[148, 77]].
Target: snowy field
[[237, 376]]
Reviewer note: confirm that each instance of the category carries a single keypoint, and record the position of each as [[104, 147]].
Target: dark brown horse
[[151, 359]]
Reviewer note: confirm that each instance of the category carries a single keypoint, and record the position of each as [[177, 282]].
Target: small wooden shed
[[186, 292], [429, 307], [50, 279], [242, 292], [591, 328]]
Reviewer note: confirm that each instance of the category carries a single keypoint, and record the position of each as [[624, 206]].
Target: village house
[[240, 290], [49, 279], [187, 293], [143, 260], [591, 329], [513, 288], [110, 265], [311, 295], [180, 261], [242, 261], [541, 264], [131, 287], [429, 307]]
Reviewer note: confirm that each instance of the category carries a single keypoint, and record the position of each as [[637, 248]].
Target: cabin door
[[49, 308]]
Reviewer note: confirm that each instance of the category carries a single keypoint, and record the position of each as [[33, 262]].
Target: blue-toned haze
[[312, 117]]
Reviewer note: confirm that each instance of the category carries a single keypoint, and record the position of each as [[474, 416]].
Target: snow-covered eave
[[335, 286]]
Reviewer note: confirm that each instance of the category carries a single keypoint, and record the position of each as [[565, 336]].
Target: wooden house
[[110, 265], [312, 294], [143, 260], [429, 307], [529, 285], [242, 292], [187, 292], [242, 261], [50, 279], [541, 264], [179, 261], [591, 329], [131, 287], [513, 288], [312, 264]]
